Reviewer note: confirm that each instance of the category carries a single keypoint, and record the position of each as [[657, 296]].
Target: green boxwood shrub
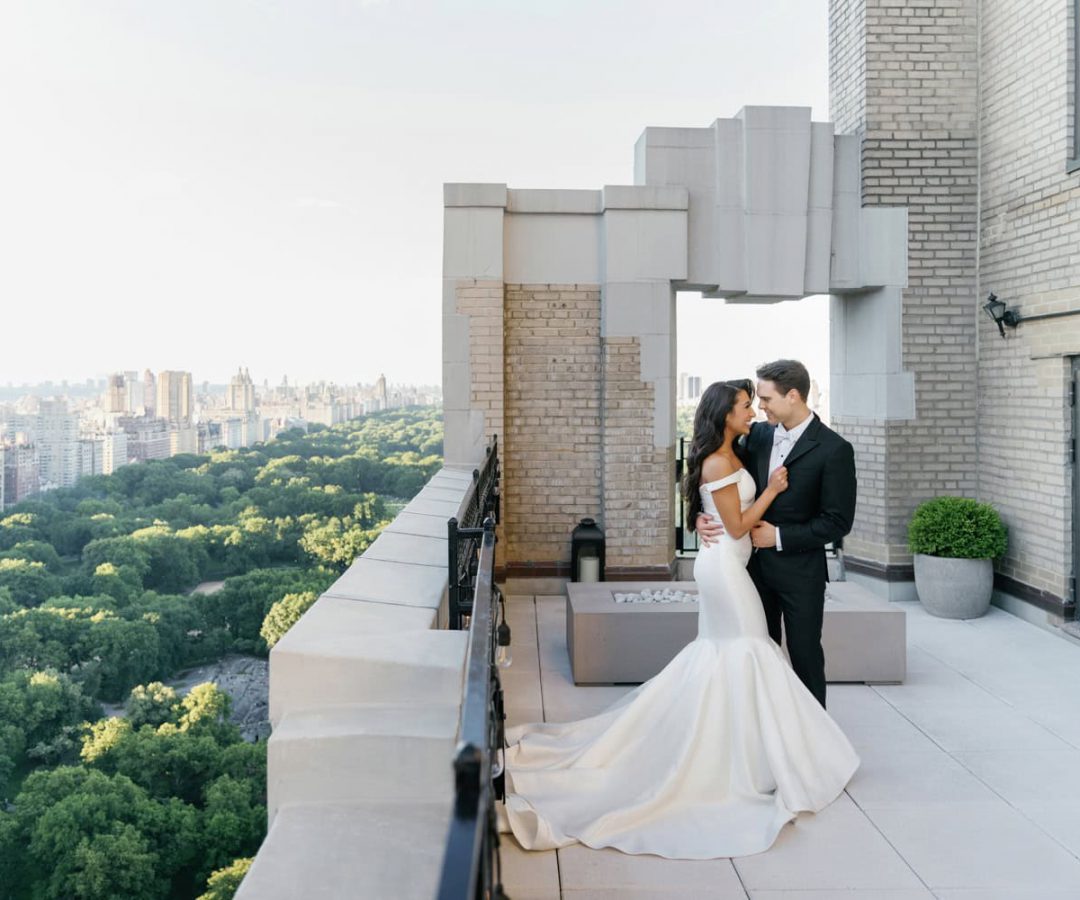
[[957, 527]]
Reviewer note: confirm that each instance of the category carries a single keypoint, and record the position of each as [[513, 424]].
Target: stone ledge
[[362, 850], [395, 583], [391, 546], [361, 753], [403, 667], [625, 196], [566, 202], [475, 194]]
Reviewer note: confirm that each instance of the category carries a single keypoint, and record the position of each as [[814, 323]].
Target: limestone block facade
[[964, 114]]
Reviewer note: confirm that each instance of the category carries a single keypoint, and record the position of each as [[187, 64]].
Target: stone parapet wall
[[552, 451], [365, 698]]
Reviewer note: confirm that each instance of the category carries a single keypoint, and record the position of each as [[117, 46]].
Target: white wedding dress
[[710, 758]]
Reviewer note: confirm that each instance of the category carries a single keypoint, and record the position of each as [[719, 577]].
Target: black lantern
[[1000, 313], [587, 552]]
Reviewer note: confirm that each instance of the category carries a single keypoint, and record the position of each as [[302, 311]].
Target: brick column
[[903, 76]]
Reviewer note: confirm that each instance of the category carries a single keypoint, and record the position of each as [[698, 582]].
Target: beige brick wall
[[1030, 232], [639, 479], [552, 455], [919, 151]]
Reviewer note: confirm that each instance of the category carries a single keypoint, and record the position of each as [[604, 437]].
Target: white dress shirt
[[783, 441]]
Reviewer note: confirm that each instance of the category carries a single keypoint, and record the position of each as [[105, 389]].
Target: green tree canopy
[[284, 614]]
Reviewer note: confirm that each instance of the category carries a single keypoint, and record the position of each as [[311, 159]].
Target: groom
[[788, 564]]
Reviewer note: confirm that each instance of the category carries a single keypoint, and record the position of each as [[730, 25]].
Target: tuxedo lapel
[[806, 443]]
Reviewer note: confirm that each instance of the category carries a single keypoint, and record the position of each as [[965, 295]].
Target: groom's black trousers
[[792, 589]]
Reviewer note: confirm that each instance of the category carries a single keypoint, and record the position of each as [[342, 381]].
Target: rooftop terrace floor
[[968, 788]]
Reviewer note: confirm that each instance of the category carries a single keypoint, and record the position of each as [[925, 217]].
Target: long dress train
[[709, 758]]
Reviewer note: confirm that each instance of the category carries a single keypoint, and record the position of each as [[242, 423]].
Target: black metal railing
[[464, 532], [471, 868]]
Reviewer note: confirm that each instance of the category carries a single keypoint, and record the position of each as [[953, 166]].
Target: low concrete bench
[[864, 637]]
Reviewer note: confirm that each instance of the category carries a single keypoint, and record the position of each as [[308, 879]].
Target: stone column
[[645, 250], [473, 291]]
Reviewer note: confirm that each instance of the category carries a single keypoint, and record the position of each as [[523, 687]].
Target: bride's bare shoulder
[[715, 467]]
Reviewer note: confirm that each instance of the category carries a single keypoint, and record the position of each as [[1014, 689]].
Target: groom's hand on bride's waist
[[763, 535], [708, 531]]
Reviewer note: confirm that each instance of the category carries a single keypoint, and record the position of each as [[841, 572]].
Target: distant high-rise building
[[91, 450], [113, 451], [689, 386], [55, 433], [242, 392], [183, 438], [380, 391], [149, 393], [136, 393], [175, 400], [147, 438], [19, 473], [116, 394]]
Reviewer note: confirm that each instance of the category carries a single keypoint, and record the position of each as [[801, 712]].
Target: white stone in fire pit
[[665, 596]]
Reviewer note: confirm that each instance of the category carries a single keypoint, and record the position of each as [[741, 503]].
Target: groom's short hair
[[786, 374]]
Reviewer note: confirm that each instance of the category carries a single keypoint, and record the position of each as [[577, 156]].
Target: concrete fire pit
[[864, 637]]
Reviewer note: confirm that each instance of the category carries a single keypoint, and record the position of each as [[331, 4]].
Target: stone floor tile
[[1059, 820], [977, 845], [692, 893], [956, 693], [521, 715], [960, 728], [528, 874], [871, 894], [886, 776], [1025, 777], [1062, 720], [837, 849], [562, 707], [582, 868], [870, 721], [1004, 894]]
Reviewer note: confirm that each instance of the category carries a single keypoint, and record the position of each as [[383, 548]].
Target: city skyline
[[49, 441], [272, 174]]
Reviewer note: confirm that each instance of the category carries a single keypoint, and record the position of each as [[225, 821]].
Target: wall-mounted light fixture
[[1003, 316], [1000, 313]]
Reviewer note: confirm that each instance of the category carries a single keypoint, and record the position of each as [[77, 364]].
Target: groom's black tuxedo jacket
[[819, 505]]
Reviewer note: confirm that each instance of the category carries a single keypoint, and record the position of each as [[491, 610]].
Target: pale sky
[[207, 184]]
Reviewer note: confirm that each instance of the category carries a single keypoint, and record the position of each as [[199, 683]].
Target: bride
[[715, 754]]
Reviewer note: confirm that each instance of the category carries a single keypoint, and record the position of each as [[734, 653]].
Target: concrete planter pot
[[954, 588]]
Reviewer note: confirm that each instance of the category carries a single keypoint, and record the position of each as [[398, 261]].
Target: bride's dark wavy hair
[[712, 411]]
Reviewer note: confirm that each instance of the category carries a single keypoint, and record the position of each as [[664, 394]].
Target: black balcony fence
[[471, 867], [464, 533]]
